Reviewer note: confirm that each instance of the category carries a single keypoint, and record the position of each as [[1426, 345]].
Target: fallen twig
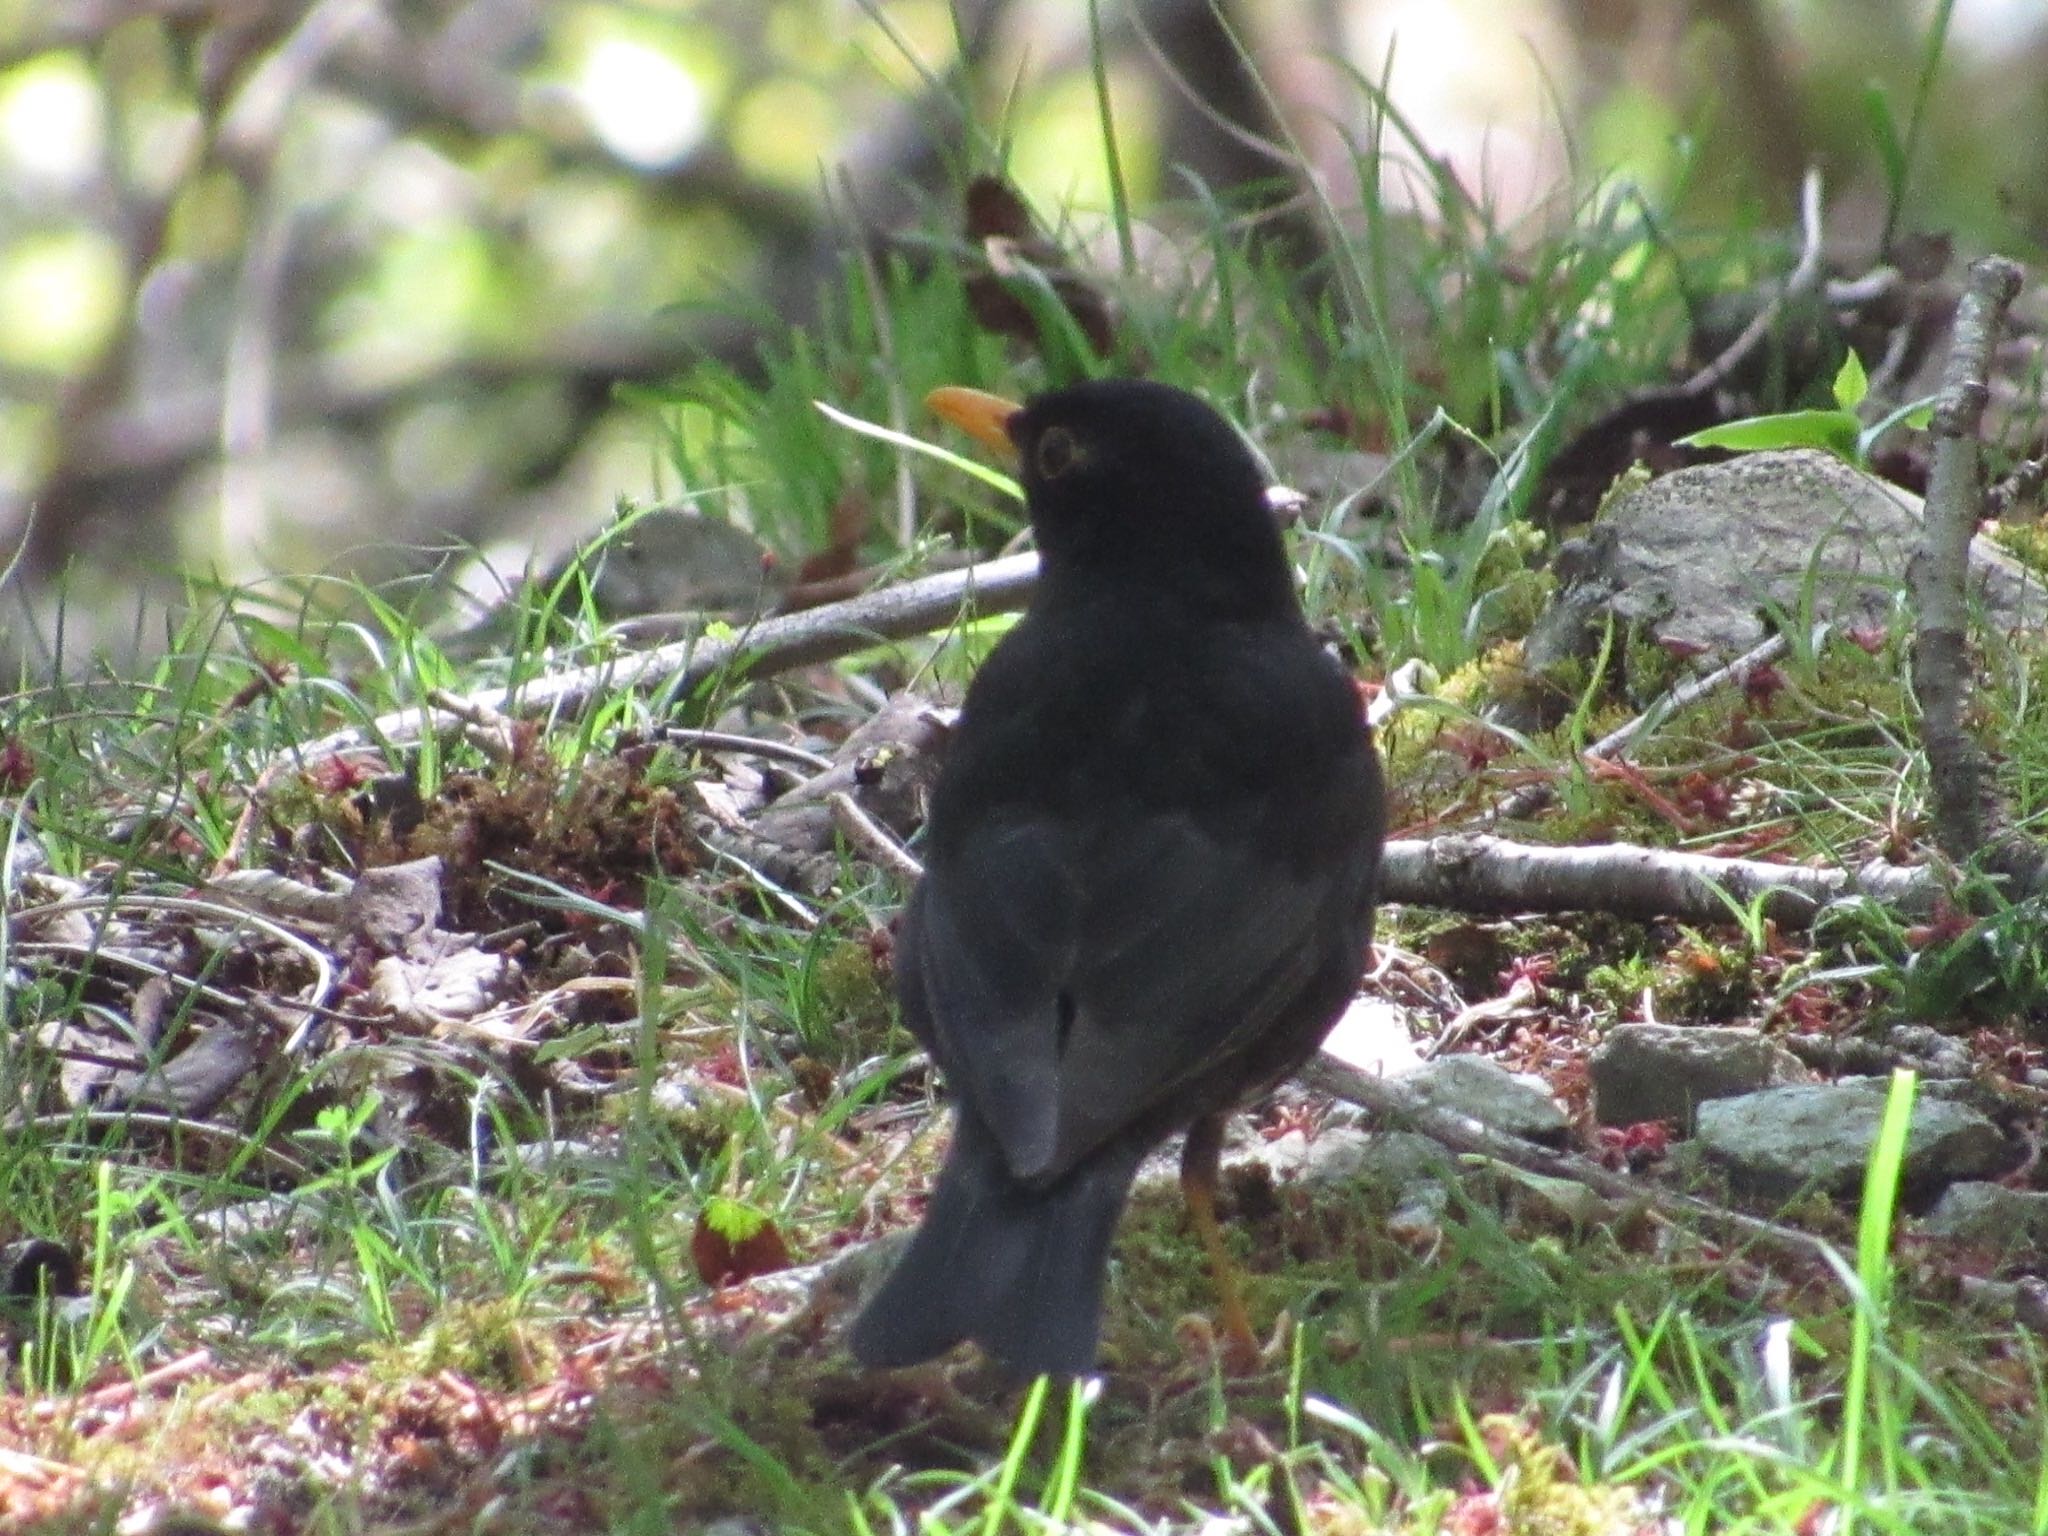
[[1533, 797], [871, 837], [1805, 277], [1488, 874], [745, 746], [772, 645], [1394, 1101]]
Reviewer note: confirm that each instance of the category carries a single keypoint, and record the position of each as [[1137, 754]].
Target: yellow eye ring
[[1055, 454]]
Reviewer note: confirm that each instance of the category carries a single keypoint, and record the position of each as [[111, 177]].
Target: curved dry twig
[[311, 1004], [772, 645], [1805, 277]]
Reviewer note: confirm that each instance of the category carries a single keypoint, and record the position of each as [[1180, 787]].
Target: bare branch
[[773, 645], [1488, 874], [1393, 1101], [1969, 821], [872, 838], [1531, 798]]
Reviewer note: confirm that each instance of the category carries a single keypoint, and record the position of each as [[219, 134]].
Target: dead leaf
[[397, 908], [433, 994], [1001, 228]]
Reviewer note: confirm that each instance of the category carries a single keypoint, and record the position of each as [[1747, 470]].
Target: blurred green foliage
[[289, 287]]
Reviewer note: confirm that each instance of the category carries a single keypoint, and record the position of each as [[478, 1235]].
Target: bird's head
[[1138, 480]]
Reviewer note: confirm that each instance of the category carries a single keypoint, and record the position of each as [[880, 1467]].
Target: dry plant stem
[[1687, 694], [1395, 1102], [489, 732], [99, 906], [1968, 821], [747, 746], [1488, 874], [773, 645], [1531, 798], [871, 837], [182, 1125], [1805, 277]]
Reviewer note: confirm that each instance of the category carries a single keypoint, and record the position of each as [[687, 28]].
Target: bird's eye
[[1056, 453]]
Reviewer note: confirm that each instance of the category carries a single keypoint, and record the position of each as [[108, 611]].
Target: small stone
[[1783, 1140], [1666, 1071], [1516, 1103], [1992, 1215]]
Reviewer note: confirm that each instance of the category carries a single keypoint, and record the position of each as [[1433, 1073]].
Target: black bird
[[1149, 871]]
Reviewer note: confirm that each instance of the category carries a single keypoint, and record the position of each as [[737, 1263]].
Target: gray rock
[[1666, 1071], [1507, 1101], [1411, 1173], [1699, 557], [1931, 1053], [1337, 1155], [1990, 1214], [1783, 1140]]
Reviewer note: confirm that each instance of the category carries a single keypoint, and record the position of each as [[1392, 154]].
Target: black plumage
[[1149, 867]]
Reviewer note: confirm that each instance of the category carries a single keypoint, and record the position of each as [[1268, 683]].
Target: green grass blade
[[904, 440]]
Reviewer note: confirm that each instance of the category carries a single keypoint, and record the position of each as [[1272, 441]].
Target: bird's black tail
[[1018, 1270]]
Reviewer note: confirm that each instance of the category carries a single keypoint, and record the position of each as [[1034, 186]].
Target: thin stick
[[773, 645], [1531, 798], [872, 837], [1389, 1098], [751, 746], [1805, 275]]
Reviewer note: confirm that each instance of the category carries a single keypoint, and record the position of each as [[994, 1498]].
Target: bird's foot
[[1236, 1349]]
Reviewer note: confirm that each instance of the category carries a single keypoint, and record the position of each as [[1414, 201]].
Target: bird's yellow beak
[[982, 416]]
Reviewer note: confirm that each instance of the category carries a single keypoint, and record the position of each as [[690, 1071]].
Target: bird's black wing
[[1072, 988]]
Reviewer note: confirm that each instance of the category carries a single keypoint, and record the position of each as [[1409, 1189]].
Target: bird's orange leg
[[1200, 1161]]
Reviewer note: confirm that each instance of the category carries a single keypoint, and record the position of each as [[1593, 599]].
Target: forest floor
[[461, 1091]]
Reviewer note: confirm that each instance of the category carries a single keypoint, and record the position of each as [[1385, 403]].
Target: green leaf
[[1069, 357], [733, 1220], [1834, 431], [1851, 383]]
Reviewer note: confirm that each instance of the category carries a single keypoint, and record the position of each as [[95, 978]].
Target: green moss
[[849, 1010], [1649, 670], [1705, 980], [1618, 986], [489, 1342], [2025, 542], [1540, 1492], [1625, 484]]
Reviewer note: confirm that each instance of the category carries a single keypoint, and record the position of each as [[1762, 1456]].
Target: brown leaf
[[397, 909], [1000, 226]]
